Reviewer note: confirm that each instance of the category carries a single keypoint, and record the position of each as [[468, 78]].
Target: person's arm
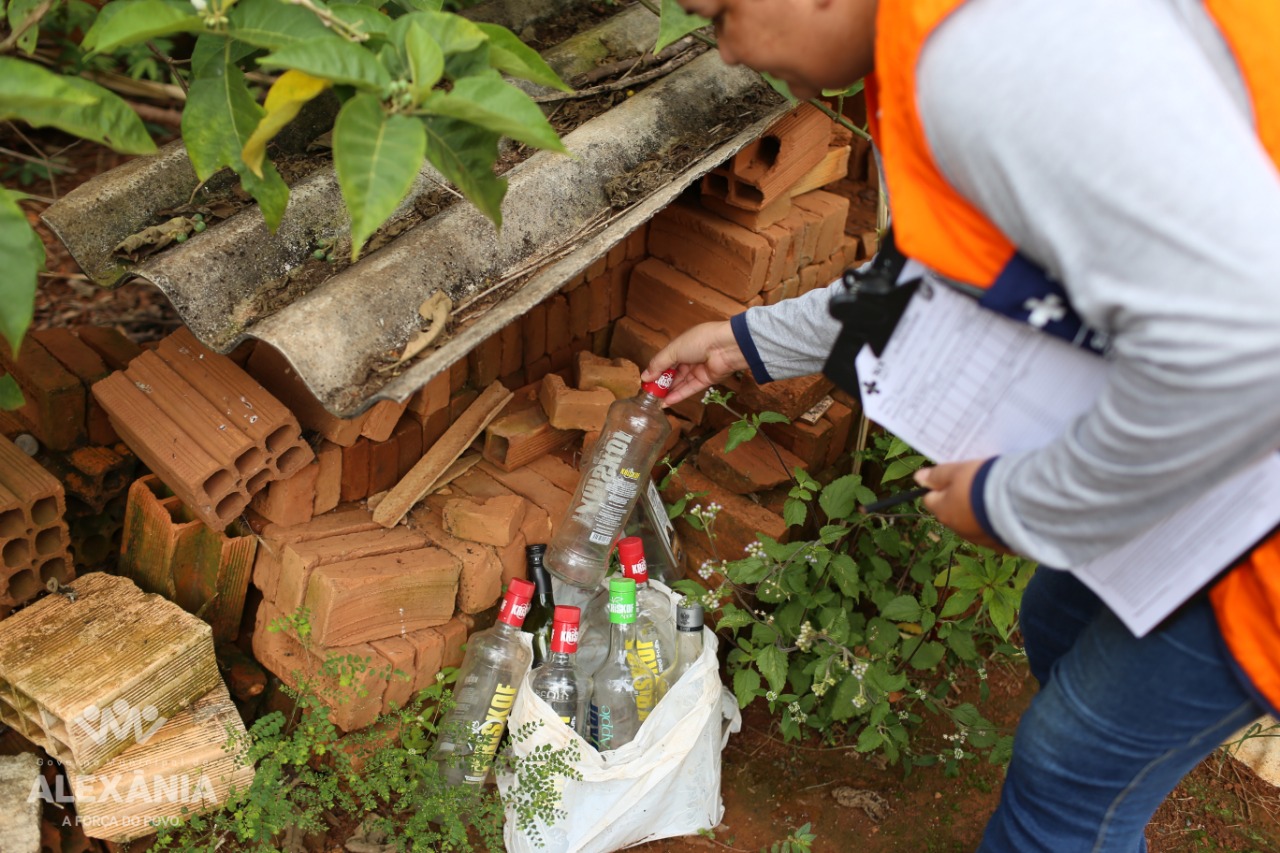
[[1112, 144]]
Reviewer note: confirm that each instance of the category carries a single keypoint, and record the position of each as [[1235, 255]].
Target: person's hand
[[702, 356], [949, 488]]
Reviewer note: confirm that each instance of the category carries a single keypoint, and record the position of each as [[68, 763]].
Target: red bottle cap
[[564, 631], [631, 555], [660, 386], [515, 604]]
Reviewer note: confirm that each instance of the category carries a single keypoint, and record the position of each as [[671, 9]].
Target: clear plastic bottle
[[624, 690], [495, 663], [559, 681], [611, 483], [542, 608], [689, 619], [655, 621]]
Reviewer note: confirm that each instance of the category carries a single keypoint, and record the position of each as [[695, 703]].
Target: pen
[[893, 500]]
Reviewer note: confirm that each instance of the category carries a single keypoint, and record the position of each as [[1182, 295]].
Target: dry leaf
[[153, 239], [436, 312]]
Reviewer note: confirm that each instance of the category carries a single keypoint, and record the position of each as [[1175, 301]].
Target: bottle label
[[489, 733], [600, 720], [608, 491]]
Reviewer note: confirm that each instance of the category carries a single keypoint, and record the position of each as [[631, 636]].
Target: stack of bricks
[[33, 534], [387, 596], [133, 701], [203, 426]]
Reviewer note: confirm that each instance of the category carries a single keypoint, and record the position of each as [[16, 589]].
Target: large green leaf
[[902, 608], [17, 13], [361, 18], [125, 22], [10, 394], [332, 58], [426, 61], [772, 663], [44, 99], [213, 52], [217, 122], [491, 102], [420, 5], [507, 53], [746, 685], [454, 33], [676, 24], [465, 154], [272, 25], [21, 257], [376, 156]]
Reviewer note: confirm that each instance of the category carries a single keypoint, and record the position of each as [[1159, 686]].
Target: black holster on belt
[[868, 306]]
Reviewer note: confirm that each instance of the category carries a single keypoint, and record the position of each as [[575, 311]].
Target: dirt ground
[[769, 787]]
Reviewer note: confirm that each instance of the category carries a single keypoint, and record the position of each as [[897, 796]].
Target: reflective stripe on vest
[[938, 227]]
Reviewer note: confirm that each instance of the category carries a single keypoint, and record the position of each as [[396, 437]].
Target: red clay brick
[[568, 408], [738, 522], [535, 370], [559, 332], [355, 470], [460, 402], [381, 419], [512, 558], [480, 578], [512, 348], [384, 466], [400, 654], [428, 656], [454, 634], [55, 404], [514, 439], [791, 397], [598, 302], [277, 375], [580, 311], [494, 521], [532, 486], [534, 335], [458, 376], [296, 562], [752, 466], [597, 268], [663, 298], [752, 220], [619, 281], [620, 376], [635, 341], [110, 344], [718, 253], [485, 361], [328, 478], [810, 442], [289, 501], [563, 475], [842, 418], [87, 366], [617, 255], [430, 398], [832, 211], [831, 168], [408, 440]]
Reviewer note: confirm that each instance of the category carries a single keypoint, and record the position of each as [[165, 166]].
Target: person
[[1117, 161]]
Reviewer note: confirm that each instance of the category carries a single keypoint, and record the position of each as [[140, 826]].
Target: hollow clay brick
[[166, 550], [782, 155], [269, 367], [568, 408], [381, 419], [752, 466], [671, 302], [619, 376], [514, 439], [33, 532], [55, 403], [718, 253], [494, 521]]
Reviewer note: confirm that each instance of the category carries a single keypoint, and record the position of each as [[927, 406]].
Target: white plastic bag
[[663, 784]]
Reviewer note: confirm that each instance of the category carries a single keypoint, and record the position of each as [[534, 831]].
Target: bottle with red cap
[[558, 681], [611, 483], [496, 661], [655, 632]]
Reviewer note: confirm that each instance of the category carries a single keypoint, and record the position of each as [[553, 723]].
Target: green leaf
[[126, 22], [465, 153], [958, 602], [291, 91], [420, 5], [733, 617], [21, 257], [268, 189], [676, 23], [869, 739], [1001, 610], [903, 608], [774, 418], [740, 432], [899, 468], [772, 663], [218, 119], [512, 56], [794, 512], [746, 686], [454, 33], [426, 61], [377, 157], [212, 53], [272, 25], [961, 642], [840, 497], [492, 103], [780, 86], [17, 13], [844, 571], [10, 393], [42, 98], [361, 18], [927, 656], [332, 58], [747, 571]]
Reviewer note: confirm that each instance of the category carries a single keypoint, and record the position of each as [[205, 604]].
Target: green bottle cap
[[622, 601]]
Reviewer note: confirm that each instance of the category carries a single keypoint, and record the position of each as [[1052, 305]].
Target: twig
[[156, 115], [33, 17], [603, 72], [168, 61], [44, 158], [331, 21], [652, 74]]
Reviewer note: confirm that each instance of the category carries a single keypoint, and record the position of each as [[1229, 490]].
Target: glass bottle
[[559, 681], [495, 663], [611, 483], [624, 690], [655, 621], [689, 619], [542, 608]]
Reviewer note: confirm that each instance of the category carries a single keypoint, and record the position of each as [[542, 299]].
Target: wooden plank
[[456, 439]]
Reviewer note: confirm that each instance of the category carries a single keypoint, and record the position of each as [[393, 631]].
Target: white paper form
[[957, 382]]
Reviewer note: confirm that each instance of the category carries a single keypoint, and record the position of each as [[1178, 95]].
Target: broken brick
[[289, 501], [514, 439], [381, 419], [568, 408], [495, 521], [752, 466], [619, 376]]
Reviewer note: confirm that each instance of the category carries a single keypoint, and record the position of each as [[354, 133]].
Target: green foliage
[[382, 778], [676, 23], [858, 628], [799, 841]]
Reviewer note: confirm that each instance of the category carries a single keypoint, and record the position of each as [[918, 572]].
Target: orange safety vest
[[938, 227]]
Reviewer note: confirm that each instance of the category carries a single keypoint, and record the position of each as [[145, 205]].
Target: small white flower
[[201, 6], [771, 696], [959, 753]]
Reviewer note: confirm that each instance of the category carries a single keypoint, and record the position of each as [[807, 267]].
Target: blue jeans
[[1116, 725]]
